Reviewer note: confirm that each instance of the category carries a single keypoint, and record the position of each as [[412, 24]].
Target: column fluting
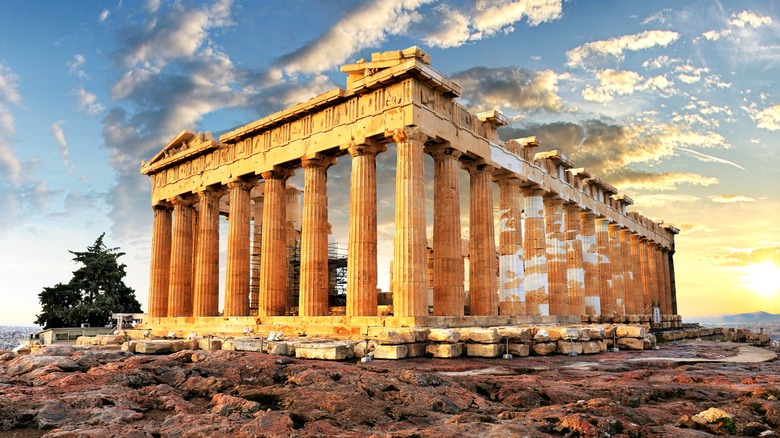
[[180, 285], [590, 261], [511, 291], [273, 262], [556, 255], [535, 248], [237, 268], [207, 258], [483, 293], [160, 267], [575, 272]]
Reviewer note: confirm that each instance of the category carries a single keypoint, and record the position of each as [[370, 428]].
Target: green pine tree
[[96, 290]]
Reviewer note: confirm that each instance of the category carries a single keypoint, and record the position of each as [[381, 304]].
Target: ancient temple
[[578, 255]]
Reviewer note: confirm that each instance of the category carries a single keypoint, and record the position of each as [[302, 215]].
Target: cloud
[[615, 48], [730, 199], [659, 62], [606, 147], [510, 87], [86, 102], [492, 17], [367, 25], [728, 256], [75, 66], [658, 181], [768, 118], [749, 19], [453, 27], [647, 201], [103, 16], [59, 137], [692, 227], [611, 82], [10, 166], [709, 158]]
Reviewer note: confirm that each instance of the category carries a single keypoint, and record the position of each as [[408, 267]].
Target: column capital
[[162, 205], [508, 178], [365, 147], [442, 150], [533, 190], [239, 184], [279, 173], [185, 200], [553, 198], [408, 133], [317, 161], [216, 191], [475, 167]]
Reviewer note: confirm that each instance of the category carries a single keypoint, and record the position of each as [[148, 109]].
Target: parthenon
[[565, 246]]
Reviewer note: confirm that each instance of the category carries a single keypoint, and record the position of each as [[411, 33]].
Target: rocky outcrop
[[67, 391]]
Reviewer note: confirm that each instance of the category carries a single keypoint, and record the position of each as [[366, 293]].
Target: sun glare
[[763, 279]]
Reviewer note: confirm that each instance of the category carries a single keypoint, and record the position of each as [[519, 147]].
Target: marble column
[[590, 261], [628, 271], [448, 272], [410, 297], [511, 291], [575, 272], [362, 246], [647, 299], [257, 239], [207, 258], [180, 284], [535, 248], [659, 274], [314, 237], [556, 255], [652, 273], [666, 281], [618, 270], [638, 287], [483, 292], [195, 246], [237, 269], [273, 265], [604, 267], [160, 267]]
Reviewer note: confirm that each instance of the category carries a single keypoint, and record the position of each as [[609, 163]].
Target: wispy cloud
[[730, 199], [659, 181], [75, 66], [615, 48], [10, 166], [87, 102], [768, 118], [647, 201], [710, 159], [59, 137]]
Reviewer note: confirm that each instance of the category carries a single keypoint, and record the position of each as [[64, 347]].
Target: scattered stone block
[[416, 349], [591, 347], [391, 351], [444, 350], [249, 344], [542, 336], [515, 334], [566, 347], [385, 336], [110, 339], [279, 348], [484, 350], [567, 333], [360, 350], [630, 331], [323, 351], [521, 350], [183, 344], [229, 344], [480, 335], [630, 343], [554, 334], [213, 344], [449, 336], [21, 349], [129, 346], [545, 348], [154, 347]]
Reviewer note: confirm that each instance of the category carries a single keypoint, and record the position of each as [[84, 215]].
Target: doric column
[[207, 258], [448, 273], [180, 284], [535, 248], [575, 273], [604, 267], [511, 291], [618, 270], [160, 267], [628, 271], [314, 237], [666, 290], [590, 260], [273, 264], [410, 294], [362, 247], [672, 282], [237, 269], [257, 239], [655, 251], [195, 243], [483, 294], [647, 298], [556, 255], [637, 287]]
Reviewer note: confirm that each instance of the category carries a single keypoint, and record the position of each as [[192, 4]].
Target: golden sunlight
[[763, 279]]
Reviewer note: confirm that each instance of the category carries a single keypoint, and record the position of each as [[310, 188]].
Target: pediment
[[184, 146]]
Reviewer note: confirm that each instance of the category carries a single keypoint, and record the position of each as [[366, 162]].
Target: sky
[[676, 104]]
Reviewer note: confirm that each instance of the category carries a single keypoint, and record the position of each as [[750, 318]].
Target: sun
[[763, 279]]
